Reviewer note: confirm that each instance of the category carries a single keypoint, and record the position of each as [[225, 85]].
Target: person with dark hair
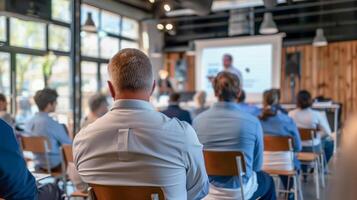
[[133, 144], [277, 105], [174, 109], [200, 101], [98, 106], [42, 124], [4, 115], [305, 117], [16, 181], [225, 127], [276, 123], [245, 107]]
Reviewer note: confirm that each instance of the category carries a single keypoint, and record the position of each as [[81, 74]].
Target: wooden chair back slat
[[307, 134], [34, 144], [277, 143], [223, 163], [102, 192], [67, 153]]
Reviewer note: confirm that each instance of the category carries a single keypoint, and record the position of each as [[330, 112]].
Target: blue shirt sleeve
[[16, 182], [59, 133], [258, 149]]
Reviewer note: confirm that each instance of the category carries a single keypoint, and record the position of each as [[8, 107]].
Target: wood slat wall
[[330, 71]]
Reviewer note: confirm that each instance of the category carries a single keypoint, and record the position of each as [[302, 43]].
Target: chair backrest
[[307, 134], [224, 163], [277, 143], [104, 192], [34, 144], [67, 153]]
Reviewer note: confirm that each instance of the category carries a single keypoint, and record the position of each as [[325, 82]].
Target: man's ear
[[111, 89], [153, 87]]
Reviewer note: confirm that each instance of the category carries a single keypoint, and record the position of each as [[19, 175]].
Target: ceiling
[[297, 18]]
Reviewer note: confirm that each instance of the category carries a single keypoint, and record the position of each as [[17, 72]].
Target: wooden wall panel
[[330, 71]]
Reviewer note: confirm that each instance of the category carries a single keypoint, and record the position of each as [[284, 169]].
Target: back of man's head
[[96, 101], [226, 86], [131, 70], [44, 97], [174, 97], [2, 102]]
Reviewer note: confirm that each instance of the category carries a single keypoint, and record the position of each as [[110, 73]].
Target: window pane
[[89, 72], [5, 79], [104, 77], [129, 44], [60, 38], [2, 28], [27, 34], [89, 44], [108, 47], [59, 80], [85, 9], [110, 22], [130, 28], [61, 10], [29, 79]]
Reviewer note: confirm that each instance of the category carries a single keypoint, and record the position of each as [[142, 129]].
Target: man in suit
[[174, 109]]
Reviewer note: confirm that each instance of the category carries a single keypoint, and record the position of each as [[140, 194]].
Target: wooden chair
[[38, 145], [67, 156], [226, 163], [104, 192], [315, 158], [283, 144]]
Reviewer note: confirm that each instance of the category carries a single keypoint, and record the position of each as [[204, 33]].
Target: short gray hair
[[130, 69], [96, 101]]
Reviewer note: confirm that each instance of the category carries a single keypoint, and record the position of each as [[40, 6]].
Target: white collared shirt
[[135, 145], [309, 118]]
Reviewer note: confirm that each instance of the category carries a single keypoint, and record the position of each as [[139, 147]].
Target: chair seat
[[307, 157], [280, 172], [79, 194]]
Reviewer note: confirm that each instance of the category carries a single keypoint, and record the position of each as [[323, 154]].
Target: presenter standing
[[228, 67]]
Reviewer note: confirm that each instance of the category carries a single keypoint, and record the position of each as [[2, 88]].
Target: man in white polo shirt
[[135, 145]]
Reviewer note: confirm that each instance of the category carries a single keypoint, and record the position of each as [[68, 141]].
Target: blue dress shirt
[[225, 127], [44, 125], [247, 108], [16, 182], [175, 111], [282, 125]]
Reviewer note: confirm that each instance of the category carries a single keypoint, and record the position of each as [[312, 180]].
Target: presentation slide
[[255, 57]]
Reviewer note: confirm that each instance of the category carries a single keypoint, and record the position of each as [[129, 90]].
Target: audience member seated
[[4, 115], [135, 145], [98, 106], [200, 103], [174, 109], [276, 123], [305, 117], [16, 181], [245, 107], [277, 105], [43, 125], [225, 127]]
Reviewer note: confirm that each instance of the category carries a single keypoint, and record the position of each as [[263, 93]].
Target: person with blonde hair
[[200, 103]]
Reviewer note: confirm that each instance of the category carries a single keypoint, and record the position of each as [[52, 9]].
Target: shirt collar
[[132, 104], [224, 104]]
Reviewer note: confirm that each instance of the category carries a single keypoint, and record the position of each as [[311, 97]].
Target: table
[[40, 176]]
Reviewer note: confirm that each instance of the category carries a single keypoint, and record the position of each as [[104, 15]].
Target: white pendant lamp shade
[[268, 25], [89, 24], [320, 39]]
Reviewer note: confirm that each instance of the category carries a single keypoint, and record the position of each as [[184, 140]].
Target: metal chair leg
[[295, 187], [317, 185], [300, 187]]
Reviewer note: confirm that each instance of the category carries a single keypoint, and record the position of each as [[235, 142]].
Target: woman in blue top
[[274, 122]]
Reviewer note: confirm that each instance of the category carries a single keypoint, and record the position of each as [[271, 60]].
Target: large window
[[87, 9], [130, 28], [27, 34], [110, 22], [5, 84], [89, 44], [108, 47]]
